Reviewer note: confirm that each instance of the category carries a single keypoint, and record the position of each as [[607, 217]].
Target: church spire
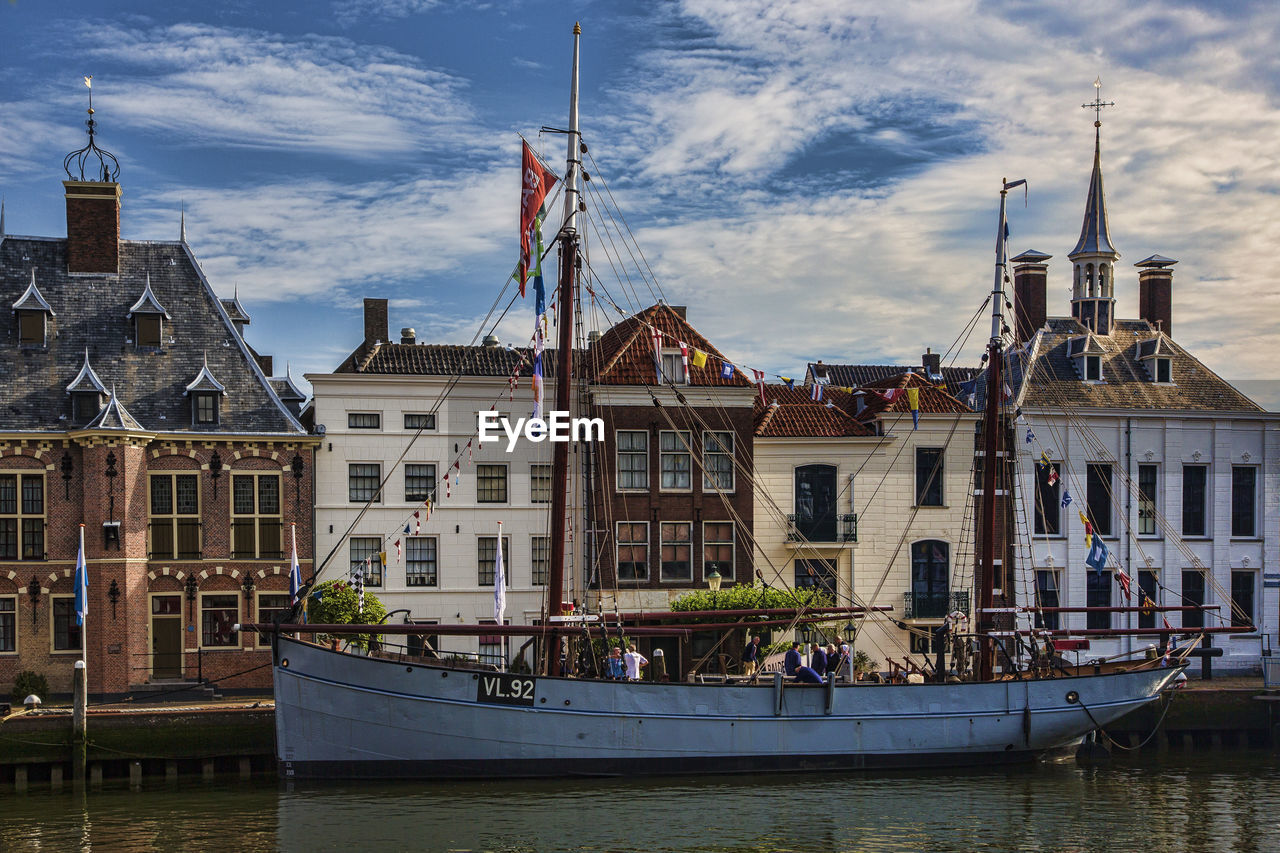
[[1093, 258]]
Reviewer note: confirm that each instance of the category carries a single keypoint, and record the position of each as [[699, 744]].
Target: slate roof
[[857, 375], [205, 381], [1053, 383], [147, 302], [87, 379], [91, 311], [445, 360], [797, 416], [115, 416], [32, 300], [624, 354], [1095, 236], [286, 390]]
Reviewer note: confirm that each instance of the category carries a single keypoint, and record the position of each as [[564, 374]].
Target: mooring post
[[79, 705]]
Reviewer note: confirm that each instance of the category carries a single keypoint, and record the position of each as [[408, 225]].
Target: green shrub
[[337, 603], [28, 682]]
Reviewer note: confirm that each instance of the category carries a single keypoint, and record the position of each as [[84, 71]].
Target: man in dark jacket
[[818, 659], [808, 675], [792, 661], [751, 656]]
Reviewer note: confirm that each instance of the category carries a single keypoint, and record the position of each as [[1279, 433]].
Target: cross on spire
[[1097, 103]]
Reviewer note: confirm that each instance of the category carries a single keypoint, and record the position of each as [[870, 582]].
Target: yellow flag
[[913, 398], [699, 358]]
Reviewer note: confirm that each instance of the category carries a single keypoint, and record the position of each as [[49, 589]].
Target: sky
[[814, 179]]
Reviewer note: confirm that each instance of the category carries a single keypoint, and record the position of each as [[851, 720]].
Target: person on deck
[[634, 660], [751, 656], [808, 675], [615, 668], [818, 659], [792, 660]]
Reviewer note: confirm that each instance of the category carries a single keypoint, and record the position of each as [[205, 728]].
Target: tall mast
[[564, 361], [991, 450]]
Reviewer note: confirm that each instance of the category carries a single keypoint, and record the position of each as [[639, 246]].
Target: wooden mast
[[991, 454], [564, 363]]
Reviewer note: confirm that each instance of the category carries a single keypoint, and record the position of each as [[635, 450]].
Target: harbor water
[[1228, 801]]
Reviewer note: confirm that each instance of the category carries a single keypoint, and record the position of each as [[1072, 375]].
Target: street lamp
[[713, 581]]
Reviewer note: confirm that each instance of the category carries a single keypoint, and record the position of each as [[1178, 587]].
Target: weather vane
[[1098, 103], [108, 171]]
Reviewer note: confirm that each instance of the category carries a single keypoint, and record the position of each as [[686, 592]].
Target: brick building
[[131, 404]]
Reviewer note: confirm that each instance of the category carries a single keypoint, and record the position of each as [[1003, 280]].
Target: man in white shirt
[[634, 661]]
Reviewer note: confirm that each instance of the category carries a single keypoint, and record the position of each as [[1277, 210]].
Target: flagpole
[[83, 582]]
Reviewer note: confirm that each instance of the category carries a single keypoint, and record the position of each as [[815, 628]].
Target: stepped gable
[[91, 311], [624, 354], [445, 360], [858, 375], [1053, 382], [798, 416], [933, 399]]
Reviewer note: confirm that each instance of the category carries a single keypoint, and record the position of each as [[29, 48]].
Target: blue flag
[[1097, 559], [1030, 435], [82, 584], [726, 370], [295, 571], [1066, 499]]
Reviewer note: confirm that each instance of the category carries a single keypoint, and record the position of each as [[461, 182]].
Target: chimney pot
[[408, 336], [1030, 301]]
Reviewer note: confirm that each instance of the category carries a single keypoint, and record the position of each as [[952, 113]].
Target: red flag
[[759, 377], [1124, 581], [536, 183]]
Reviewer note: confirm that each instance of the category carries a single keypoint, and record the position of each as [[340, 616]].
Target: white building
[[1175, 469]]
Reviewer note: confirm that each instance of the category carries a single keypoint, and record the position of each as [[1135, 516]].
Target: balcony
[[827, 531], [933, 605]]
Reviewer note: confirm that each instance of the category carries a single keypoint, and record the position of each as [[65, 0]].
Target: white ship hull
[[348, 716]]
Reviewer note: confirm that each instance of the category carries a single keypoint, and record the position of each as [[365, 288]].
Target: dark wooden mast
[[564, 365]]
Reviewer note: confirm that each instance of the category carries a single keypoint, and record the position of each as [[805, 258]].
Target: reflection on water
[[1228, 802]]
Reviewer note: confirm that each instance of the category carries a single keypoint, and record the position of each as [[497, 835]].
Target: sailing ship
[[382, 714]]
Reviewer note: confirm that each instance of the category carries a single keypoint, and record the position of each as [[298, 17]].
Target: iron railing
[[933, 605], [844, 530]]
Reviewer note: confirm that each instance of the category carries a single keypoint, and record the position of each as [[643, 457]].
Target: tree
[[750, 597], [337, 603]]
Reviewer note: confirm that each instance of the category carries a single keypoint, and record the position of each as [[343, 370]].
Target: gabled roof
[[147, 303], [1095, 237], [1158, 346], [115, 416], [31, 298], [286, 389], [624, 354], [205, 381], [1086, 344], [86, 379], [858, 375], [791, 413], [235, 310], [445, 360], [935, 400]]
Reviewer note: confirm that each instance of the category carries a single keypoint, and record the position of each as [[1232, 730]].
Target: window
[[149, 328], [1195, 479], [8, 624], [175, 517], [85, 406], [1093, 368], [673, 454], [218, 616], [491, 484], [1147, 500], [22, 517], [364, 420], [816, 503], [363, 479], [540, 558], [816, 574], [1242, 587], [717, 461], [1193, 596], [717, 548], [31, 328], [1047, 595], [633, 459], [677, 551], [423, 645], [487, 559], [255, 517], [1097, 593], [206, 407], [66, 633], [366, 559], [420, 561], [493, 647], [1148, 592], [1164, 370], [272, 606], [419, 482], [1048, 504], [673, 368], [633, 550], [540, 484], [930, 579], [1244, 500], [929, 476], [419, 421], [1098, 496]]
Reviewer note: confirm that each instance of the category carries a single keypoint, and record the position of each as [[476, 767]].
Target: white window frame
[[618, 452], [713, 447], [433, 480], [352, 416], [506, 562], [377, 487], [539, 552], [1094, 361], [13, 600], [235, 644], [681, 448], [506, 483], [677, 375], [535, 493], [618, 544], [375, 556], [663, 542], [732, 542], [431, 422], [435, 577]]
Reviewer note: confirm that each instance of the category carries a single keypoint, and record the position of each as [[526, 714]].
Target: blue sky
[[813, 178]]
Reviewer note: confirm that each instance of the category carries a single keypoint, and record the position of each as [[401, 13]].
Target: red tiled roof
[[796, 415], [624, 353], [934, 400]]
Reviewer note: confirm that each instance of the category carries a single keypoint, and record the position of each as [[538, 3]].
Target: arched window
[[930, 578], [1088, 280], [816, 502], [1102, 280]]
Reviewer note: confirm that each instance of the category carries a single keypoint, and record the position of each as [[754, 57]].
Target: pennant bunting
[[1123, 579], [913, 401], [726, 370], [759, 377], [1066, 499], [699, 358], [1053, 475], [1031, 436], [1097, 559], [1088, 529], [417, 523], [1045, 461], [657, 354], [684, 357], [815, 393], [788, 381], [397, 550]]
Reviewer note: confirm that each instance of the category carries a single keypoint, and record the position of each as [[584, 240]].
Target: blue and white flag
[[726, 370], [1097, 559], [1066, 499], [1031, 436], [82, 584], [499, 583], [295, 571], [815, 393]]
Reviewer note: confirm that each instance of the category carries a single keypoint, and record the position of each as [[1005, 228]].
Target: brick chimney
[[1155, 292], [1030, 283], [375, 321], [93, 226]]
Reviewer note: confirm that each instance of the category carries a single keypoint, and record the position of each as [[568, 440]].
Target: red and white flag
[[417, 523], [536, 182], [397, 550], [759, 377], [657, 353], [684, 358]]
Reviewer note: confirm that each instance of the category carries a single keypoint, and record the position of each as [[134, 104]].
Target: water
[[1197, 802]]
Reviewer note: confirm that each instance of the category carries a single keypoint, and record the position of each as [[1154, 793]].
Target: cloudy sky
[[813, 178]]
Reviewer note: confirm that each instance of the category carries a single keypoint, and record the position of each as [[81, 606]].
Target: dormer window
[[673, 368], [1164, 370], [1093, 368], [1155, 356], [87, 393], [206, 408], [206, 395], [148, 317], [32, 312]]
